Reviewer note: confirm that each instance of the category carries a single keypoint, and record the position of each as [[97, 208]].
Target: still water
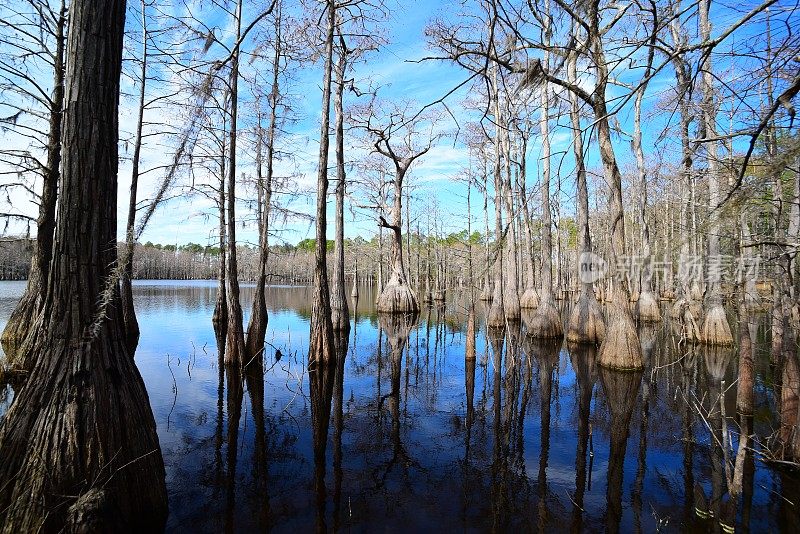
[[409, 435]]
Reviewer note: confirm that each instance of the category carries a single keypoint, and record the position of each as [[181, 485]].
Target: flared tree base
[[716, 330], [620, 349], [397, 298], [529, 299], [545, 322], [647, 308], [586, 322]]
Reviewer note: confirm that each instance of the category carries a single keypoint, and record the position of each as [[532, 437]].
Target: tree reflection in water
[[448, 425]]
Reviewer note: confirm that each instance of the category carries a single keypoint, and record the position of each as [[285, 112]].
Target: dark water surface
[[528, 436]]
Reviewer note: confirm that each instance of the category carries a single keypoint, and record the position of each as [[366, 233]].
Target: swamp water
[[527, 436]]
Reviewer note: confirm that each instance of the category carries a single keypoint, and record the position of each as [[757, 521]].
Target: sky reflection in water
[[528, 436]]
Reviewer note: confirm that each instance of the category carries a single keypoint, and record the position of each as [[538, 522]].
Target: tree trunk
[[546, 322], [126, 278], [321, 349], [497, 317], [586, 324], [716, 330], [486, 294], [647, 308], [620, 348], [257, 327], [80, 439], [24, 314], [397, 295], [235, 350], [341, 314], [220, 317]]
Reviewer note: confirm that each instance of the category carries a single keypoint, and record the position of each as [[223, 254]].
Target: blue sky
[[395, 69]]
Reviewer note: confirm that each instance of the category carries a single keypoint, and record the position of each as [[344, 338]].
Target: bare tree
[[395, 134], [80, 439], [43, 38]]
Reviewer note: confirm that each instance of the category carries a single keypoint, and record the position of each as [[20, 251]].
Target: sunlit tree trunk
[[321, 349], [716, 330], [235, 350], [586, 323], [339, 309], [257, 328]]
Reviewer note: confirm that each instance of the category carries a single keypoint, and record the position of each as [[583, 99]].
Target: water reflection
[[438, 423], [621, 390], [583, 359]]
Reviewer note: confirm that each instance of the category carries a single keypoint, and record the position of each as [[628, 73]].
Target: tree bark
[[235, 349], [321, 349], [546, 322], [647, 308], [586, 323], [339, 309], [716, 330], [397, 295], [257, 327], [24, 314], [620, 348], [80, 439]]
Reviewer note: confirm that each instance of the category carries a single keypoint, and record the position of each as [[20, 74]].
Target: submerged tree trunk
[[257, 327], [716, 330], [220, 317], [546, 322], [620, 348], [321, 349], [234, 344], [24, 314], [341, 313], [126, 279], [80, 439], [497, 312], [397, 295], [586, 324]]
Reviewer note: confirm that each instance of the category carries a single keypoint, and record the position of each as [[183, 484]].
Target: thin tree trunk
[[339, 309], [647, 307], [24, 314], [126, 280], [321, 349], [546, 322], [235, 350], [80, 440], [257, 328]]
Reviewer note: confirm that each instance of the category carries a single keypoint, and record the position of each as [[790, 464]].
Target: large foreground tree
[[78, 448]]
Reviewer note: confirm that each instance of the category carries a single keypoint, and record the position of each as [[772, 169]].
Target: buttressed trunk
[[397, 295], [716, 330], [620, 348], [586, 323], [80, 439], [321, 349], [234, 344]]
